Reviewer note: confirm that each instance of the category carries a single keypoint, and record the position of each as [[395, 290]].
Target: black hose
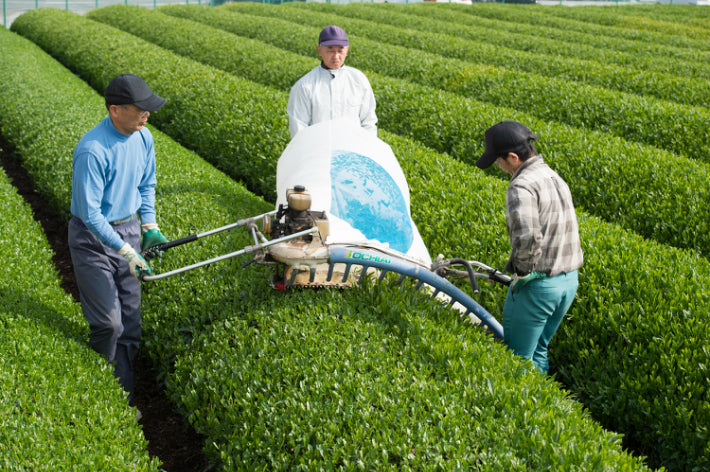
[[469, 269]]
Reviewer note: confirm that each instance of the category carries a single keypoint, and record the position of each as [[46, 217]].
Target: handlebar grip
[[169, 244], [499, 277]]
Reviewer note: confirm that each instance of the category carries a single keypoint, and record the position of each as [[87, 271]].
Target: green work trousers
[[532, 315]]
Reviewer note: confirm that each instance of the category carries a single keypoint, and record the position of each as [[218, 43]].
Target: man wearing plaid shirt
[[544, 235]]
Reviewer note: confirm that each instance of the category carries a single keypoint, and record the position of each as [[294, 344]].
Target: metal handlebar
[[246, 250], [443, 267], [152, 251]]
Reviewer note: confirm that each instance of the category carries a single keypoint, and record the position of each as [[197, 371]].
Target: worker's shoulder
[[356, 72], [308, 79], [312, 74], [93, 139], [531, 172], [538, 179]]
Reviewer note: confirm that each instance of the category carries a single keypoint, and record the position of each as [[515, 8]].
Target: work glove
[[151, 237], [518, 281], [136, 263]]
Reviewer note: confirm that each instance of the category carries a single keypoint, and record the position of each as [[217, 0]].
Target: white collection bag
[[355, 178]]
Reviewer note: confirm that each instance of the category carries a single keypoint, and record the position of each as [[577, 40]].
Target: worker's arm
[[298, 109], [368, 118], [88, 183], [523, 229]]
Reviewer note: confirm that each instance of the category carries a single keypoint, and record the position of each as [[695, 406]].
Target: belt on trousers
[[127, 219]]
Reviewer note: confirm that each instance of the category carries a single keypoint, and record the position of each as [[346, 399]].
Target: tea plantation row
[[603, 306], [489, 42], [636, 26], [605, 173], [553, 44], [60, 406], [490, 73], [678, 24], [374, 377]]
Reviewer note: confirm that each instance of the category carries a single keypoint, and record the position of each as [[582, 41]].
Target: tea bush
[[601, 32], [597, 166], [607, 348], [267, 374], [623, 65], [195, 87], [394, 52], [60, 405]]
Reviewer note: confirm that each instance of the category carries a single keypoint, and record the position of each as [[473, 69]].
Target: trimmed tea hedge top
[[491, 43], [224, 137], [471, 222], [60, 405], [599, 168], [666, 124], [650, 41], [266, 374], [559, 44]]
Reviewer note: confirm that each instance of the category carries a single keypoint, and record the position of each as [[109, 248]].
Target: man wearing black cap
[[331, 90], [112, 206], [544, 235]]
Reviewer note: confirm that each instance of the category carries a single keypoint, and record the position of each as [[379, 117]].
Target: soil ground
[[170, 437]]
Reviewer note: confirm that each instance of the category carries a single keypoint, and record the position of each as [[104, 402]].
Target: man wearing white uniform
[[331, 90]]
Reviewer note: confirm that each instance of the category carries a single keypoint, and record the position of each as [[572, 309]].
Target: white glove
[[136, 263]]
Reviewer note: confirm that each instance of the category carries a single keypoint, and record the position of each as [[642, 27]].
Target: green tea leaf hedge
[[388, 50], [60, 406], [675, 23], [555, 52], [597, 166], [607, 349], [641, 40], [194, 97], [375, 377]]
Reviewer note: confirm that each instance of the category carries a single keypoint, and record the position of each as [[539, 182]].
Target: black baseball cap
[[127, 89], [502, 138]]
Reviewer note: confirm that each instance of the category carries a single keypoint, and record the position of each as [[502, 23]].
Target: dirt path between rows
[[169, 436]]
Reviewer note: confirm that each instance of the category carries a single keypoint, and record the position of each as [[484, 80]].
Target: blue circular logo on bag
[[366, 196]]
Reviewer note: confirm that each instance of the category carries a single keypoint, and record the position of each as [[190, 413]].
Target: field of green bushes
[[60, 406], [379, 378], [423, 108]]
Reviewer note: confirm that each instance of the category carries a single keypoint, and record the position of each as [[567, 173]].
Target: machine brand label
[[367, 257]]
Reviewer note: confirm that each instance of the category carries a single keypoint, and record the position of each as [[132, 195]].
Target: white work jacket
[[327, 94]]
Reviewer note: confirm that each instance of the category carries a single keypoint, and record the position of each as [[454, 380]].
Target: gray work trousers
[[110, 296]]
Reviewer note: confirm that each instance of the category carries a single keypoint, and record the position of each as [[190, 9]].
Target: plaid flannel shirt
[[541, 221]]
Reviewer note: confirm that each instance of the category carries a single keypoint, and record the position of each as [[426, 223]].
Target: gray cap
[[130, 89], [502, 138]]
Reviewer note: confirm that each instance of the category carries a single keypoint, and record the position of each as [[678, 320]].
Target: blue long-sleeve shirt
[[113, 178]]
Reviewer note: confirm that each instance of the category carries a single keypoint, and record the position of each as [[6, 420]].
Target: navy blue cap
[[333, 36]]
